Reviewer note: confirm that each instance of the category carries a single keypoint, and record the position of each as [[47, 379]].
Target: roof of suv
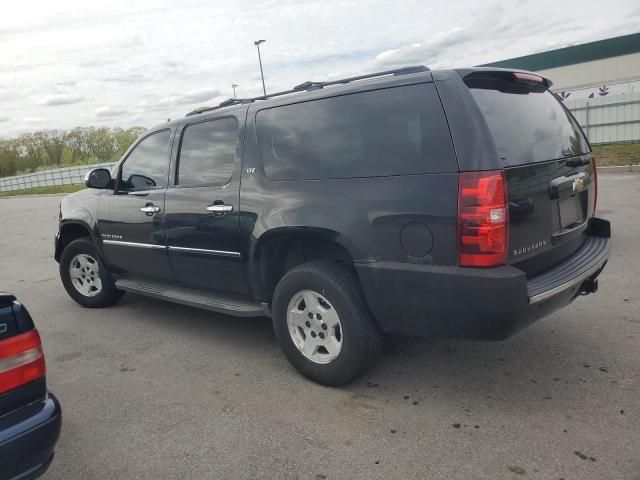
[[312, 90], [310, 86]]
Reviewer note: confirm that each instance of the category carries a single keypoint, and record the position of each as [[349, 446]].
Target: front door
[[202, 218], [130, 220]]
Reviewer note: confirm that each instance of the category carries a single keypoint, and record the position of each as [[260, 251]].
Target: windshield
[[529, 126]]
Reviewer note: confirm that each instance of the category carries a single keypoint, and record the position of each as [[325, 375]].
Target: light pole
[[234, 85], [257, 44]]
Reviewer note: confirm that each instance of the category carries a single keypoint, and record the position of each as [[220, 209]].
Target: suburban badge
[[529, 248]]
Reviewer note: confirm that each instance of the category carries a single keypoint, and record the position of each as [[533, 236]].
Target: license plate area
[[571, 211]]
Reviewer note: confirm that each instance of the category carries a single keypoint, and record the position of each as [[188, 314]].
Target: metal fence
[[609, 119], [47, 178]]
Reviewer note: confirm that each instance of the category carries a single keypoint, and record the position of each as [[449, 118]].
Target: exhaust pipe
[[588, 286]]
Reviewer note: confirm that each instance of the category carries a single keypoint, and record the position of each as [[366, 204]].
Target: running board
[[227, 304]]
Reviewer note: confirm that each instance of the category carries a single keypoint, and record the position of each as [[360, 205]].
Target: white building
[[590, 70], [598, 81]]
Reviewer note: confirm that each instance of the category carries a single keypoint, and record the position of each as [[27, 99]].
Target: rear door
[[548, 165], [202, 215]]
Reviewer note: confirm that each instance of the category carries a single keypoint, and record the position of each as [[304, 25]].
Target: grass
[[44, 190], [619, 154]]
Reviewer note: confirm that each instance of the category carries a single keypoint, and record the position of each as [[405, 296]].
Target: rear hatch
[[551, 183]]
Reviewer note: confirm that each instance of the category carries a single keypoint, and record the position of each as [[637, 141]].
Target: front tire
[[85, 277], [323, 324]]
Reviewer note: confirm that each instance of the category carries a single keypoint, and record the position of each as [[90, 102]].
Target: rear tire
[[323, 324], [85, 277]]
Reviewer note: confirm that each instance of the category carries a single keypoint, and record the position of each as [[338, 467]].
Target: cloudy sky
[[68, 63]]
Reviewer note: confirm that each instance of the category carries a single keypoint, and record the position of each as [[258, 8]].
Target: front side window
[[147, 166], [393, 131], [207, 153]]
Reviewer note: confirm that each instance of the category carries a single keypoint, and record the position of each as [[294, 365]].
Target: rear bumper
[[27, 439], [475, 303]]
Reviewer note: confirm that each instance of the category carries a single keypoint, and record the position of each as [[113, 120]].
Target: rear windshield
[[528, 125], [394, 131]]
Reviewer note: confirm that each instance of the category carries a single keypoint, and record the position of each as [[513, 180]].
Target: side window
[[147, 166], [207, 153], [392, 131]]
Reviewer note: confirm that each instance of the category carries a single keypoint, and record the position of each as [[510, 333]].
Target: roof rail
[[310, 86], [396, 71]]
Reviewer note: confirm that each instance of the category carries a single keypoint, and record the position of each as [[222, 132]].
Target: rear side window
[[207, 153], [528, 125], [395, 131]]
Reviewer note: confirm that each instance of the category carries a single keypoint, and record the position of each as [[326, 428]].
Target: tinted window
[[147, 165], [529, 126], [395, 131], [207, 153]]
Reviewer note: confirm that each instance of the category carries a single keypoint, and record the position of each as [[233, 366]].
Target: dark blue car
[[30, 417]]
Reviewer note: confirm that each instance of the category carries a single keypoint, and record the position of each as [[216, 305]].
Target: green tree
[[52, 142], [52, 148], [9, 157], [31, 152], [78, 144]]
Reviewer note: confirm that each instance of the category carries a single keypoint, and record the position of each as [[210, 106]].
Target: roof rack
[[310, 86]]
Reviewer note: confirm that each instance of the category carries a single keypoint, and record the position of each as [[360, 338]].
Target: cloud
[[126, 78], [187, 99], [59, 99], [109, 112], [425, 52], [4, 119], [133, 62], [198, 96]]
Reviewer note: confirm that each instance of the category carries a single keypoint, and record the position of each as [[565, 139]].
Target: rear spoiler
[[505, 74]]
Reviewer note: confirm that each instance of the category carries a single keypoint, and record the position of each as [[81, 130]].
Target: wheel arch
[[281, 249], [69, 231]]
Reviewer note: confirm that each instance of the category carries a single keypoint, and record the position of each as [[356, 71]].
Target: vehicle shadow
[[536, 366]]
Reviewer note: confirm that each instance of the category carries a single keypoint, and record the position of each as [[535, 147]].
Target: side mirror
[[98, 178]]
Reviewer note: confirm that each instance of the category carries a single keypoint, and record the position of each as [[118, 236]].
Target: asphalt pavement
[[156, 390]]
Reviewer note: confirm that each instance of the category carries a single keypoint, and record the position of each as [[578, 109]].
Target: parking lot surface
[[157, 390]]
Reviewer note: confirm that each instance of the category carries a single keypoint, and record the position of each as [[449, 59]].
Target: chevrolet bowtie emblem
[[578, 185]]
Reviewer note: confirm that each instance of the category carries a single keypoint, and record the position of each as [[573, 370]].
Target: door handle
[[220, 209], [149, 209]]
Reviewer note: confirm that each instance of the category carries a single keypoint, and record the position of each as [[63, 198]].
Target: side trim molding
[[203, 251], [134, 244], [200, 251]]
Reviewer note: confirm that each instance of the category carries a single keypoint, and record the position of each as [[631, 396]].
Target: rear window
[[528, 125], [395, 131]]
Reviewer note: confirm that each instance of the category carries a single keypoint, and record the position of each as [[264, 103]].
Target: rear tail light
[[595, 187], [482, 219], [21, 360]]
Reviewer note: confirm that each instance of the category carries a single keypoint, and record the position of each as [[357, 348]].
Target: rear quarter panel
[[365, 215]]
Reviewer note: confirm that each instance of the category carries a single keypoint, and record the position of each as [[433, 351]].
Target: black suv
[[454, 203]]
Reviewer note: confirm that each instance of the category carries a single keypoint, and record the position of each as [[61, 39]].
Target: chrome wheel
[[85, 275], [314, 326]]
